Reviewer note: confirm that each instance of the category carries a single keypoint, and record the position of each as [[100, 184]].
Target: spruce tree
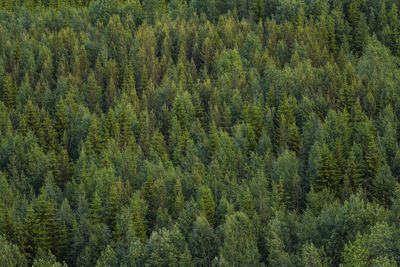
[[110, 126], [95, 211], [294, 138], [207, 206], [112, 208], [31, 224], [47, 230], [10, 92], [61, 118], [179, 199], [138, 220], [372, 163], [327, 171], [93, 140]]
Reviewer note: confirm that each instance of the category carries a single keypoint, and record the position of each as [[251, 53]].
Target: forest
[[199, 133]]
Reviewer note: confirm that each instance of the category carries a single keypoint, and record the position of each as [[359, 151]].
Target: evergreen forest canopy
[[199, 133]]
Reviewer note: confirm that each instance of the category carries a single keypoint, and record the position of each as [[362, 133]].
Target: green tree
[[47, 230], [10, 92], [240, 242], [207, 206], [371, 167], [31, 224], [93, 140], [93, 93], [357, 253], [327, 171], [203, 243], [179, 198], [107, 258], [10, 255]]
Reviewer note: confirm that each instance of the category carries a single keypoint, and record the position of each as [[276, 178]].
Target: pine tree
[[110, 94], [47, 230], [31, 224], [32, 118], [331, 36], [258, 9], [125, 127], [10, 92], [294, 138], [110, 126], [48, 136], [284, 198], [6, 226], [179, 199], [150, 197], [144, 81], [93, 140], [138, 222], [212, 140], [207, 206], [112, 208], [61, 118], [371, 165], [327, 171], [128, 84], [354, 17], [248, 205], [93, 92], [96, 209], [286, 118]]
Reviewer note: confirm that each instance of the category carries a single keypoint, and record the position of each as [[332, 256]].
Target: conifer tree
[[31, 224], [10, 92], [48, 136], [207, 206], [61, 118], [6, 226], [110, 126], [110, 94], [248, 205], [96, 209], [294, 138], [150, 197], [283, 196], [331, 36], [179, 199], [47, 230], [258, 9], [93, 140], [144, 81], [327, 171], [371, 165], [138, 223], [128, 84], [212, 140], [93, 93], [112, 208], [125, 126]]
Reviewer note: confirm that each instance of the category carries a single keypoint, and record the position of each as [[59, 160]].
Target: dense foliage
[[199, 133]]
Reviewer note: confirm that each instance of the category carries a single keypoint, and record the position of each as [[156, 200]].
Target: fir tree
[[96, 209], [207, 206], [179, 199], [93, 140], [371, 166], [10, 92], [112, 208], [31, 224], [47, 230]]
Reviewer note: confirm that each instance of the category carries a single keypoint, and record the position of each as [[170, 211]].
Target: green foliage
[[10, 254], [199, 133]]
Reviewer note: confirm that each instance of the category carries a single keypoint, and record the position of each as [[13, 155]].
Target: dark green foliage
[[199, 133]]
